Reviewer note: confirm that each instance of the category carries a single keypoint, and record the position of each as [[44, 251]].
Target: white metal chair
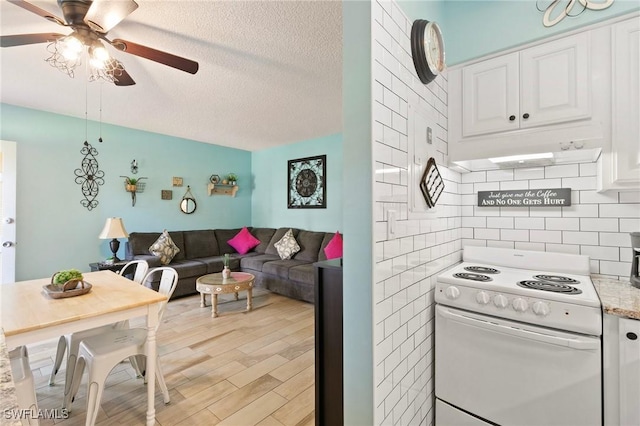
[[102, 352], [25, 386], [71, 342], [141, 268]]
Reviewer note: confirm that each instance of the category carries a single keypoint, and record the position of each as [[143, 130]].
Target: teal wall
[[431, 10], [475, 28], [269, 186], [358, 213], [55, 232]]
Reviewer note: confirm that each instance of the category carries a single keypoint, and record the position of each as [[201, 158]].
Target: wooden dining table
[[29, 315]]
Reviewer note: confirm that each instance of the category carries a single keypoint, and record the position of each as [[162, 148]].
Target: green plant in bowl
[[71, 276]]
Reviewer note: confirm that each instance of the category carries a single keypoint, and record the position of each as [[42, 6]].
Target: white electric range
[[518, 340]]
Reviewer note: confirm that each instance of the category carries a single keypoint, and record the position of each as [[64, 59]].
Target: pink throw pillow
[[333, 250], [243, 241]]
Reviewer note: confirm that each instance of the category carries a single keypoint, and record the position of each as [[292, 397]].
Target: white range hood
[[568, 156]]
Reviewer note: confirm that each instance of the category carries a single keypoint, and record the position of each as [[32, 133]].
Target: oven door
[[511, 373]]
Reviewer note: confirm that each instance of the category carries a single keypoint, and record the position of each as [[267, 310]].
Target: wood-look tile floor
[[242, 368]]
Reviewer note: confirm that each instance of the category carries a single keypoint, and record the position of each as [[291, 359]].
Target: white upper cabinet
[[555, 82], [491, 96], [540, 98], [541, 85], [620, 166]]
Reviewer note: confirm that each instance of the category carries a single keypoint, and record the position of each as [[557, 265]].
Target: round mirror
[[188, 205]]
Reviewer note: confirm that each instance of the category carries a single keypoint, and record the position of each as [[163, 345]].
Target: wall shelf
[[221, 189]]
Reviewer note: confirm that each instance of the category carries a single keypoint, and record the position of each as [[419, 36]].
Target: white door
[[554, 82], [8, 211], [490, 96]]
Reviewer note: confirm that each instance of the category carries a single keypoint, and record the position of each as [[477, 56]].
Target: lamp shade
[[113, 228]]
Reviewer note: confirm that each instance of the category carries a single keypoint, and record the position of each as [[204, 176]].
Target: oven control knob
[[452, 293], [501, 301], [541, 309], [520, 305], [483, 298]]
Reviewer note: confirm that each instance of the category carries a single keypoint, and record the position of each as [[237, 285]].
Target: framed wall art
[[306, 183]]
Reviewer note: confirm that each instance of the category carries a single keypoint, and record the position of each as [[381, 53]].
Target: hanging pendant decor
[[89, 176]]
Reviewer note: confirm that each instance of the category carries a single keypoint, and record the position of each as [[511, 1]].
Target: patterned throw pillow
[[287, 246], [164, 248]]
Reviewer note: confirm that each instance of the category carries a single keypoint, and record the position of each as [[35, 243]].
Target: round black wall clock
[[427, 49], [306, 183]]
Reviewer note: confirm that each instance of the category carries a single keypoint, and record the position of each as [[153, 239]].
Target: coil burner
[[481, 269], [557, 279], [548, 286], [472, 276]]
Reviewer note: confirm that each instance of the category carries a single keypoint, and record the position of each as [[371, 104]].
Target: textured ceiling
[[270, 71]]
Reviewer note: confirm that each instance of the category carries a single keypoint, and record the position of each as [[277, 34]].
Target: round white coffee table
[[214, 285]]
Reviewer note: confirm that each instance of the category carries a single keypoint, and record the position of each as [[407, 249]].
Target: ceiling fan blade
[[23, 39], [35, 9], [159, 56], [123, 79], [103, 15]]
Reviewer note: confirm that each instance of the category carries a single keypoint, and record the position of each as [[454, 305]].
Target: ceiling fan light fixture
[[99, 56], [70, 47]]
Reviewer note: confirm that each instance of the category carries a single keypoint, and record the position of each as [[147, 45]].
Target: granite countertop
[[618, 297], [8, 400]]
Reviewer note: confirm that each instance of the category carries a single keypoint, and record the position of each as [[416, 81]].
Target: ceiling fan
[[90, 22]]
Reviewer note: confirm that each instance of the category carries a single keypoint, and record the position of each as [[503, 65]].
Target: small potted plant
[[226, 272], [131, 183], [232, 178]]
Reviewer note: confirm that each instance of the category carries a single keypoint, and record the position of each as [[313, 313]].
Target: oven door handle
[[573, 342]]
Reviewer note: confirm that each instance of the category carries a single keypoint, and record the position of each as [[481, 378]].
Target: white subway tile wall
[[407, 264], [596, 224]]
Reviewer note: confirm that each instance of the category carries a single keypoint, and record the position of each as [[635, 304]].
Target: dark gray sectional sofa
[[201, 253]]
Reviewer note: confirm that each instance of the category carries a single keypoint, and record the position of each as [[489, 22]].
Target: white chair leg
[[62, 346], [75, 384], [24, 385], [133, 360], [94, 396], [161, 382], [73, 346], [72, 362]]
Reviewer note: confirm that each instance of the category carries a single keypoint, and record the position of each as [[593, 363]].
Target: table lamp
[[114, 228]]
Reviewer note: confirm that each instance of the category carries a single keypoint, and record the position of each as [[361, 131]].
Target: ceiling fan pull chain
[[86, 108], [100, 137]]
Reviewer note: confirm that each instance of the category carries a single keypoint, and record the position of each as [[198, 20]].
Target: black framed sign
[[306, 183]]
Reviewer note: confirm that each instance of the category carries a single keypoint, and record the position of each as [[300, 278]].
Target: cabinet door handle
[[512, 117], [632, 336], [525, 115]]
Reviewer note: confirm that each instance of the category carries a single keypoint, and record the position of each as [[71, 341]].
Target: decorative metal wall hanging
[[306, 183], [133, 185], [89, 177], [431, 183], [134, 166], [557, 10]]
